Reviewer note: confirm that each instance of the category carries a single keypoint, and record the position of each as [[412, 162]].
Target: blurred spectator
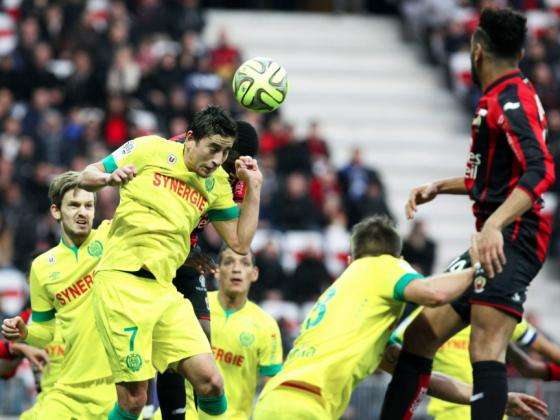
[[271, 273], [292, 209], [419, 249], [124, 74], [309, 279], [203, 78], [82, 88], [116, 122], [225, 58], [294, 155], [273, 137], [317, 145]]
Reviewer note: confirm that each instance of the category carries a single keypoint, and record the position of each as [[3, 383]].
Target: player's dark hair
[[502, 31], [247, 143], [61, 184], [224, 248], [375, 236], [211, 121]]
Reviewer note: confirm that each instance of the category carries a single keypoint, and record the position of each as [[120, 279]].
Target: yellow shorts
[[192, 412], [144, 325], [287, 404], [31, 413], [88, 401], [453, 412]]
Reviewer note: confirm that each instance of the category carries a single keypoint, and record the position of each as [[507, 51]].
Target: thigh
[[59, 404], [430, 329], [491, 330], [121, 302], [177, 334]]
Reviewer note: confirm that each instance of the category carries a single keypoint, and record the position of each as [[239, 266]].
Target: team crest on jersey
[[95, 249], [479, 284], [133, 362], [246, 339], [54, 275], [52, 259], [209, 184], [171, 159]]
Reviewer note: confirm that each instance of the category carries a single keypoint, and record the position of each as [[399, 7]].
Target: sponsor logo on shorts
[[133, 362], [95, 249], [479, 284], [246, 339], [516, 297]]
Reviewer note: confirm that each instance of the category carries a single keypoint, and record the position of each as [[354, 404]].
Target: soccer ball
[[260, 84]]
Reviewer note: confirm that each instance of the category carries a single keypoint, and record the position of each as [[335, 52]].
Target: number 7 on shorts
[[133, 331]]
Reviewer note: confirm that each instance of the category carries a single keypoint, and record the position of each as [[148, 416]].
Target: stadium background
[[380, 100]]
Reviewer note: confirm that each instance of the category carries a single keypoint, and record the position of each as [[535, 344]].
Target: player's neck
[[231, 302], [496, 71], [72, 240]]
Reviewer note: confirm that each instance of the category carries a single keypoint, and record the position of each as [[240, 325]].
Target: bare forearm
[[515, 205], [452, 186], [449, 389], [248, 218], [445, 288], [546, 348], [525, 365], [92, 178]]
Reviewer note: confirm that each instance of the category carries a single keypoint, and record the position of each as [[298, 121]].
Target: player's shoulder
[[47, 258], [260, 315], [221, 176]]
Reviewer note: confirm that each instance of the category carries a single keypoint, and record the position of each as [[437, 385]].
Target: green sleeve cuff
[[223, 215], [270, 370], [398, 291], [38, 316], [109, 164], [394, 339]]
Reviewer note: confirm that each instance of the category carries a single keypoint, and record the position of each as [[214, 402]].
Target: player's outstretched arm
[[427, 192], [239, 233], [94, 177], [439, 289]]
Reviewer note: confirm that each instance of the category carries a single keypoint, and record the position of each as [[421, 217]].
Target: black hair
[[224, 248], [211, 121], [247, 143], [502, 31], [375, 236]]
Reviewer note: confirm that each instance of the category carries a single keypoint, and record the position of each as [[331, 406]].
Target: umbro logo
[[511, 105]]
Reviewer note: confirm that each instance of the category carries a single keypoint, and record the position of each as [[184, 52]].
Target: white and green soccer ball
[[260, 84]]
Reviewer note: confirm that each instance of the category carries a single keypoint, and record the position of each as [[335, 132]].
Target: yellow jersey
[[55, 350], [60, 281], [453, 357], [343, 338], [246, 344], [160, 207]]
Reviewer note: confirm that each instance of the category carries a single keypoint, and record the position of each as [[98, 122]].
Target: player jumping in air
[[61, 280], [344, 336], [508, 169], [190, 280], [167, 187]]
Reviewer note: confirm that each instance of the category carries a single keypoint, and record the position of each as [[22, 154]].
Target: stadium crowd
[[444, 28]]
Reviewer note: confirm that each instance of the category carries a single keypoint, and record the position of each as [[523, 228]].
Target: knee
[[133, 402], [211, 386], [421, 339], [483, 347]]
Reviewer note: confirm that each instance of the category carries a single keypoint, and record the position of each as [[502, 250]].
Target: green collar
[[72, 248], [230, 312]]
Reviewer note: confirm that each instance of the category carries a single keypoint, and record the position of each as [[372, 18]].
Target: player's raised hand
[[14, 329], [38, 357], [121, 176], [420, 195], [247, 170], [201, 262], [526, 407], [489, 244]]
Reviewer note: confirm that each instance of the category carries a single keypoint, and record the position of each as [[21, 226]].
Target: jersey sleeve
[[525, 134], [524, 334], [41, 304], [222, 207], [397, 275], [270, 354], [135, 152]]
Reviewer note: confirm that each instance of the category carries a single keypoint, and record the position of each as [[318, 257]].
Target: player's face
[[236, 273], [76, 212], [206, 155]]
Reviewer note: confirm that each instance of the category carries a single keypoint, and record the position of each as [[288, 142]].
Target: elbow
[[436, 298]]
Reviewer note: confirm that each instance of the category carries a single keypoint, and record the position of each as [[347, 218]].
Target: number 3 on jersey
[[318, 311]]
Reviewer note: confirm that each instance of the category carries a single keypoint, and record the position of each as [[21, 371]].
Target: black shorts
[[192, 286], [507, 291]]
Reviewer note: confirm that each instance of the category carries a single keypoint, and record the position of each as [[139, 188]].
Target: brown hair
[[61, 184], [375, 236]]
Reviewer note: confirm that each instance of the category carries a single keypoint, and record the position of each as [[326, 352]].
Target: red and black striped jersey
[[508, 150]]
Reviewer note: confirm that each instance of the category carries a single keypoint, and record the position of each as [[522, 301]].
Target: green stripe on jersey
[[398, 291], [109, 164], [223, 214], [38, 316], [270, 370]]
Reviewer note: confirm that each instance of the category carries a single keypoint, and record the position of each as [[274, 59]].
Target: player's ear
[[55, 212], [189, 136], [254, 274]]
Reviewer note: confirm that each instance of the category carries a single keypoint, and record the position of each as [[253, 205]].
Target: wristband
[[553, 371]]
